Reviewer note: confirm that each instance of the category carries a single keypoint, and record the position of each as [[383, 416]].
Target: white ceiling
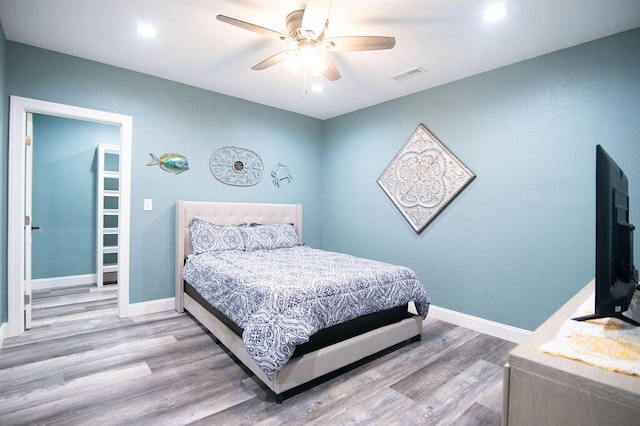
[[448, 38]]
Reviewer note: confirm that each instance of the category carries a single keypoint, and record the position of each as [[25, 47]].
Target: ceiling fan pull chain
[[304, 81]]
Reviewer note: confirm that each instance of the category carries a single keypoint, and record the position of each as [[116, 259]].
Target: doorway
[[19, 224], [65, 203]]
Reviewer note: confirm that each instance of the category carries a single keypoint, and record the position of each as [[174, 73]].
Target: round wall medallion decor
[[236, 166]]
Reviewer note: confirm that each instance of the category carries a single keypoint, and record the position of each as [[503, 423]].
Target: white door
[[16, 222], [28, 225]]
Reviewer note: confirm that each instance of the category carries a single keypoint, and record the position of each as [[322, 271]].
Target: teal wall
[[172, 117], [514, 246], [64, 194], [4, 154], [518, 242]]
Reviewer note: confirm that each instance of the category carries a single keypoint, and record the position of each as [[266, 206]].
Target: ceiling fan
[[306, 33]]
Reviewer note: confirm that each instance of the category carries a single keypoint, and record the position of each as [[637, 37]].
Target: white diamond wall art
[[423, 178], [236, 166]]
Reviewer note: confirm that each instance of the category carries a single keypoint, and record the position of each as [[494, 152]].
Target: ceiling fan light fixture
[[308, 58], [312, 59], [293, 63]]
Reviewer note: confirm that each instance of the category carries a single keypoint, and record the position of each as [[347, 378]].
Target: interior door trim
[[19, 107]]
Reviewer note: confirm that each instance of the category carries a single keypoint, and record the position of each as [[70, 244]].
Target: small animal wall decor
[[171, 162], [281, 173], [236, 166]]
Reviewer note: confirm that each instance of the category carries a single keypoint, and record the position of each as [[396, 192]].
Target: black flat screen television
[[616, 276]]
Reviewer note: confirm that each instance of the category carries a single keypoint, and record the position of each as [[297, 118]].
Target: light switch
[[148, 204]]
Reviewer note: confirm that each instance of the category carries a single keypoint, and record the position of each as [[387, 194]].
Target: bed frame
[[300, 370]]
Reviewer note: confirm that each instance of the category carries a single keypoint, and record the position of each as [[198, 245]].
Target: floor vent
[[408, 74]]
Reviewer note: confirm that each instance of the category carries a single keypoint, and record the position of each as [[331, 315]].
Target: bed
[[320, 351]]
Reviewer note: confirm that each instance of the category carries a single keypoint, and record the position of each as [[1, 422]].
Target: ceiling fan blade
[[359, 43], [315, 16], [251, 27], [331, 73], [273, 60]]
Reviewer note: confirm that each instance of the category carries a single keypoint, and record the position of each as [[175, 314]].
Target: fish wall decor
[[171, 162]]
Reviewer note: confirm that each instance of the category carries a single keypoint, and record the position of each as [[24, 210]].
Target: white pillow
[[207, 237], [269, 237]]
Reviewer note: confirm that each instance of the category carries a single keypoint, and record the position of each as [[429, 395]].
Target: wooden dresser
[[542, 389]]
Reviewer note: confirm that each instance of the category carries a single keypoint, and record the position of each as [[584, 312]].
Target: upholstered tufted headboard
[[225, 214]]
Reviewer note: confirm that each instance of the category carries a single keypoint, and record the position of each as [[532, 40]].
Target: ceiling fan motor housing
[[297, 33]]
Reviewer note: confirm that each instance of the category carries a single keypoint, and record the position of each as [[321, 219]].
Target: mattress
[[280, 298]]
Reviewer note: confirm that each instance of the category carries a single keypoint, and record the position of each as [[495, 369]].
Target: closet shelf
[[109, 268], [107, 216]]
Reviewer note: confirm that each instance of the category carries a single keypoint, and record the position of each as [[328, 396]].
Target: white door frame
[[19, 107], [28, 212]]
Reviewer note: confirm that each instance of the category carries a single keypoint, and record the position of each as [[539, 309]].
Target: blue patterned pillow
[[206, 237], [268, 237]]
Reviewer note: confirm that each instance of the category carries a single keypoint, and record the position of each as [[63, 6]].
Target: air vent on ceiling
[[408, 74]]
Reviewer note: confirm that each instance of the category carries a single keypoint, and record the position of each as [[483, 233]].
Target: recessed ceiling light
[[317, 88], [495, 12], [146, 31]]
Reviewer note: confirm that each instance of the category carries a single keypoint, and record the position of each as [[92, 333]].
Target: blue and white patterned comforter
[[281, 297]]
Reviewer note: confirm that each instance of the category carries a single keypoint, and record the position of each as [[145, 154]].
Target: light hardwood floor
[[80, 364]]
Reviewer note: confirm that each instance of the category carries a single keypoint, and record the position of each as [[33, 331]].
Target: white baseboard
[[3, 326], [492, 328], [57, 282], [151, 307], [496, 329]]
